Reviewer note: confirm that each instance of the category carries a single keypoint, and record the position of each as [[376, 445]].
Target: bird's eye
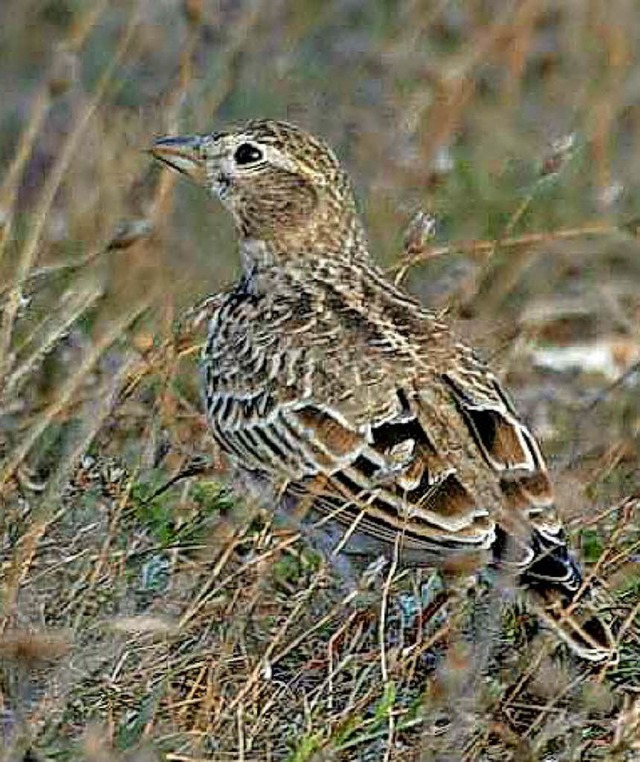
[[246, 153]]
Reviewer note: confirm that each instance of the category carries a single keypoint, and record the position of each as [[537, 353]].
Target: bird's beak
[[183, 154]]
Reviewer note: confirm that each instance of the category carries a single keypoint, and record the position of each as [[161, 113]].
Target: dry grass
[[140, 622]]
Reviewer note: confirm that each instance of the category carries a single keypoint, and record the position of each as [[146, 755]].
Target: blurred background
[[495, 149]]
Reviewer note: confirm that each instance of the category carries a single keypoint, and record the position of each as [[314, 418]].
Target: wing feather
[[373, 415]]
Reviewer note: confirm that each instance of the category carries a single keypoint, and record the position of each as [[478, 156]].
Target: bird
[[350, 404]]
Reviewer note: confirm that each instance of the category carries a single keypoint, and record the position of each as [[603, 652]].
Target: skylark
[[335, 390]]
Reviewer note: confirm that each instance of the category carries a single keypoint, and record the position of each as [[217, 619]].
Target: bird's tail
[[575, 611], [582, 625]]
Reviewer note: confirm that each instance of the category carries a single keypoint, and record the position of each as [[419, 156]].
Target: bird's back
[[345, 392]]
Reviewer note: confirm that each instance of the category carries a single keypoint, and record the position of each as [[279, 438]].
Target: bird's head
[[282, 186]]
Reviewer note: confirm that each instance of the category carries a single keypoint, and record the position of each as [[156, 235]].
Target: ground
[[145, 620]]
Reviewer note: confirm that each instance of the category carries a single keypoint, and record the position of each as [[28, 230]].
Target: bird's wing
[[366, 404], [331, 406], [511, 453]]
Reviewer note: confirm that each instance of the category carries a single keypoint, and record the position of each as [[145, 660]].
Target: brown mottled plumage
[[340, 393]]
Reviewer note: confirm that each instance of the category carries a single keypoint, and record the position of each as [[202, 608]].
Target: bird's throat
[[337, 239]]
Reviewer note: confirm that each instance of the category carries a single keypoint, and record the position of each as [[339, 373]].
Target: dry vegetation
[[139, 623]]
